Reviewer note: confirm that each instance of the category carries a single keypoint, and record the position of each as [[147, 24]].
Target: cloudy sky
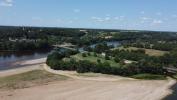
[[113, 14]]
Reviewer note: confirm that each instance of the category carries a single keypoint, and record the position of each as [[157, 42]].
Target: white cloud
[[108, 19], [158, 13], [70, 22], [142, 12], [108, 15], [37, 19], [59, 20], [157, 22], [76, 10], [145, 18], [6, 3], [119, 18], [97, 19], [174, 16]]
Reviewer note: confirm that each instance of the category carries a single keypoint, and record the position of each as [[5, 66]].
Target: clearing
[[92, 58], [150, 52]]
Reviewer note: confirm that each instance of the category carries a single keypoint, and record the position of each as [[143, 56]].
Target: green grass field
[[149, 77], [28, 79], [94, 59], [150, 52]]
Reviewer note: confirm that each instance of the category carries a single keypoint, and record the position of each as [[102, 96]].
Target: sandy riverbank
[[101, 87], [25, 66]]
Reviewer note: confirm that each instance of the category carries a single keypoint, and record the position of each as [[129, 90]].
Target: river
[[7, 59], [109, 43]]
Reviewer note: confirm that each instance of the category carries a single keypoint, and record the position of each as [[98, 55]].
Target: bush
[[95, 55], [117, 59], [88, 54], [107, 57], [54, 64], [98, 61], [84, 55], [84, 66]]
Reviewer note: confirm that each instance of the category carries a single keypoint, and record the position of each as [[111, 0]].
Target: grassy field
[[175, 76], [94, 59], [150, 52], [89, 74], [28, 79], [149, 77]]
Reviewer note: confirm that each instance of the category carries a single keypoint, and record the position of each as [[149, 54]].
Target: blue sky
[[114, 14]]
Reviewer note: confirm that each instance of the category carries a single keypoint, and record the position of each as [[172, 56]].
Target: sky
[[157, 15]]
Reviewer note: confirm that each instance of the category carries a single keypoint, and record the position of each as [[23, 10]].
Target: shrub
[[88, 54], [84, 55], [98, 61], [84, 66], [95, 55], [117, 59], [107, 57]]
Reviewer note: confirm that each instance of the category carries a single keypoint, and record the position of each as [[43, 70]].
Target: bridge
[[172, 70], [66, 46]]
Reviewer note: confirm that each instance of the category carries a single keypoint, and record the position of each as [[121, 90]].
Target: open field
[[94, 59], [150, 52]]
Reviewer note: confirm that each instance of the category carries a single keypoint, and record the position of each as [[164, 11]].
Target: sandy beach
[[101, 87], [25, 66]]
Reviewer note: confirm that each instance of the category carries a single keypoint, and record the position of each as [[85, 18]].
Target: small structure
[[85, 31], [103, 54], [128, 61], [66, 46]]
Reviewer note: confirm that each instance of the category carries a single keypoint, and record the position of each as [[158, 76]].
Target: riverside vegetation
[[108, 59]]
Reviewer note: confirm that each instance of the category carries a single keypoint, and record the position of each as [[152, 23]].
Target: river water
[[109, 43], [7, 59]]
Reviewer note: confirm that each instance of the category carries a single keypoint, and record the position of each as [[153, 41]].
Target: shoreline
[[24, 66]]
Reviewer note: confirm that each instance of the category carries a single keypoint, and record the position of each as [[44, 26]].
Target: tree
[[107, 57], [98, 61], [117, 59], [84, 55], [88, 54], [84, 66], [95, 55]]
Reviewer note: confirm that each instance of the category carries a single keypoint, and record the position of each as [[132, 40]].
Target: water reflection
[[8, 58]]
